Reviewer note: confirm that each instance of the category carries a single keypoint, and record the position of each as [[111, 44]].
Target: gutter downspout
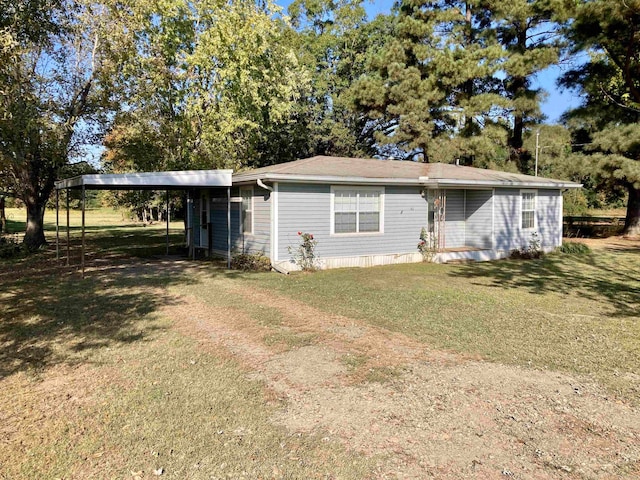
[[261, 184]]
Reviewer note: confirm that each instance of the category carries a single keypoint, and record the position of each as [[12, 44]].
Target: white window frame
[[535, 209], [335, 188], [251, 209]]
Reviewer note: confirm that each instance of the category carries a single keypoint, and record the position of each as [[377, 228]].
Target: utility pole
[[537, 150]]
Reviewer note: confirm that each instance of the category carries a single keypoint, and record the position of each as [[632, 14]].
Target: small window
[[247, 209], [528, 210], [357, 210]]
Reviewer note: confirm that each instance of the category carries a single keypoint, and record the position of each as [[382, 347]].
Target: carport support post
[[68, 234], [83, 209], [57, 224], [228, 227], [192, 208], [167, 198]]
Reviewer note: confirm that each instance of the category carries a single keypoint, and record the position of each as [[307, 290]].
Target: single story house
[[366, 212]]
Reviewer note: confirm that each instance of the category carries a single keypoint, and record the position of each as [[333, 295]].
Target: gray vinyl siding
[[508, 234], [548, 209], [260, 240], [257, 242], [219, 224], [479, 209], [195, 217], [307, 208], [508, 231], [454, 219]]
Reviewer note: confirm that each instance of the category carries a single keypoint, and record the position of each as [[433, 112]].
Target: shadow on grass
[[603, 277], [49, 315]]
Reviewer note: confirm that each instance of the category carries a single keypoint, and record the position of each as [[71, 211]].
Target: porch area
[[460, 224]]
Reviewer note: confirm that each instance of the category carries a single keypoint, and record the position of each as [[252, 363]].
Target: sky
[[556, 101]]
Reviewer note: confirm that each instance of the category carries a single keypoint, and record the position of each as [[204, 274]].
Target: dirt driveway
[[421, 413]]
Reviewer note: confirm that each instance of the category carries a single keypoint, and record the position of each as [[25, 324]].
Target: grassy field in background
[[108, 231], [96, 217]]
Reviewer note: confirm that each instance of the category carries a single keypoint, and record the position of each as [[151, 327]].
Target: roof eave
[[449, 183], [149, 180], [323, 179]]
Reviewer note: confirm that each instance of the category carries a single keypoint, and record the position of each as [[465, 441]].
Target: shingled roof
[[322, 169]]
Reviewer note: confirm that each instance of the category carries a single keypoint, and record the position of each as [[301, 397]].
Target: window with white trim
[[247, 209], [528, 202], [357, 210]]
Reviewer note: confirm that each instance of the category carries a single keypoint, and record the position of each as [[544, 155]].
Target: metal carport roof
[[176, 180], [149, 180]]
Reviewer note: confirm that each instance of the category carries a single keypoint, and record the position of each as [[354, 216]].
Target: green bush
[[575, 203], [254, 262], [9, 247], [525, 254], [534, 250], [304, 255], [574, 248]]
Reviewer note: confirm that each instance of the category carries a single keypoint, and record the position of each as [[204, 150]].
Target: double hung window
[[247, 209], [528, 201], [357, 210]]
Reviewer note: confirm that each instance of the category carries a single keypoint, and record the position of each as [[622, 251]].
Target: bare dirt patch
[[436, 414], [609, 243]]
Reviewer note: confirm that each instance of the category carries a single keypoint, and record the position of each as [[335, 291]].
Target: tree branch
[[613, 100]]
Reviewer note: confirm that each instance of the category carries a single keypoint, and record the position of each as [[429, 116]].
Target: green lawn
[[108, 231], [571, 313], [95, 381]]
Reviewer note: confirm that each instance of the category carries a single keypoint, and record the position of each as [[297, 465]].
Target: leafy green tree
[[334, 39], [204, 83], [52, 57], [608, 122]]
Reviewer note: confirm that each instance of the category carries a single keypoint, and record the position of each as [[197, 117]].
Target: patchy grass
[[95, 382], [566, 312]]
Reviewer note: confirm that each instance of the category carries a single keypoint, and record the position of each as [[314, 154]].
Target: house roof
[[149, 180], [322, 169]]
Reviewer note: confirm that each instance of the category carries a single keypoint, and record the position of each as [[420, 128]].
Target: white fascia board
[[453, 183], [422, 181], [160, 180], [324, 179]]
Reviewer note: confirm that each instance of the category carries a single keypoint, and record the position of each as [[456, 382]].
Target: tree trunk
[[632, 222], [3, 216], [34, 235]]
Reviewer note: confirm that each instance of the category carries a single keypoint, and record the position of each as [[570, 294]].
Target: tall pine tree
[[531, 33], [434, 84], [609, 119]]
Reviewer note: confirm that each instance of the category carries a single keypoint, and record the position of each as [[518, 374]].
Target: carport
[[186, 180]]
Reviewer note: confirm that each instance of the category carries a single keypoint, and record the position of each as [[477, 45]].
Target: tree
[[608, 122], [530, 31], [434, 84], [51, 59], [203, 84], [333, 40]]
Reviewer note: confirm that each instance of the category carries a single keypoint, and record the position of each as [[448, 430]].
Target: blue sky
[[556, 102]]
